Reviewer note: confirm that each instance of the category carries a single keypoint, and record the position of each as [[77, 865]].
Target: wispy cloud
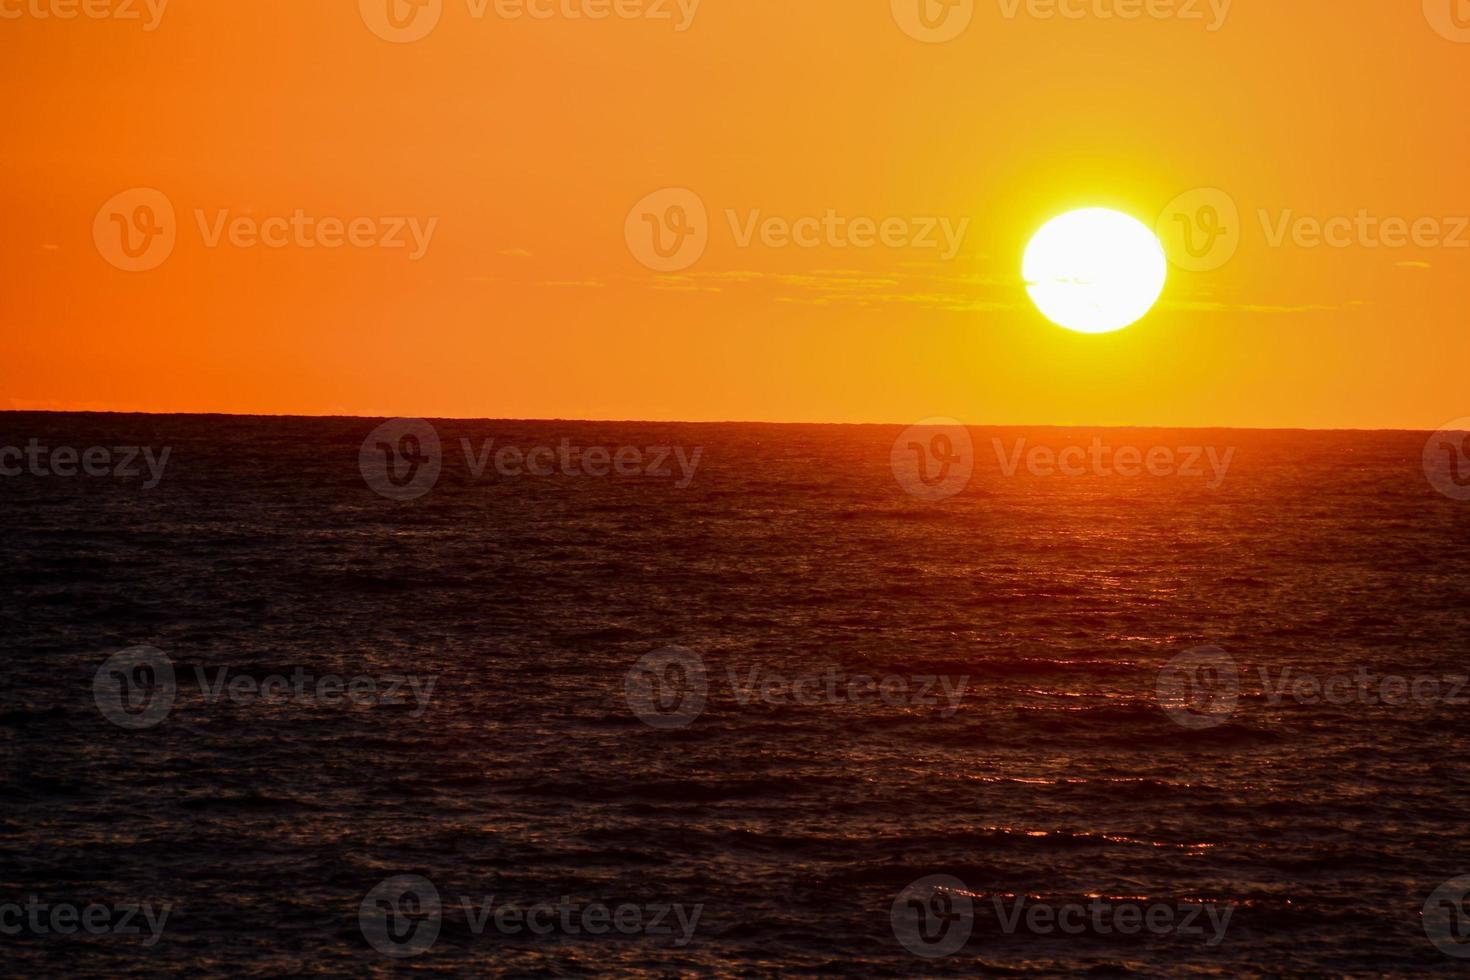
[[1208, 306], [933, 286], [915, 285]]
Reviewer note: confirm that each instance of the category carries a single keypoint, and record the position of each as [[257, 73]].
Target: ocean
[[346, 696]]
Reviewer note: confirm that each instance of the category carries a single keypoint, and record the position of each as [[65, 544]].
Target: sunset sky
[[523, 144]]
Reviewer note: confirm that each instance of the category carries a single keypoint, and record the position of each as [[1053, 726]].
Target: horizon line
[[611, 421]]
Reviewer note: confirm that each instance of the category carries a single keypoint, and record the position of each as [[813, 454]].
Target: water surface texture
[[1019, 745]]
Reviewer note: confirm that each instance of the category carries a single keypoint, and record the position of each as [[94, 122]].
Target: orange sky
[[528, 141]]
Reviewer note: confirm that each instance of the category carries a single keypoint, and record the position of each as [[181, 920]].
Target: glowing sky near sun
[[832, 158]]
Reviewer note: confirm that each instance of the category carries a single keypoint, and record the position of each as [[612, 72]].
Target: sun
[[1095, 270]]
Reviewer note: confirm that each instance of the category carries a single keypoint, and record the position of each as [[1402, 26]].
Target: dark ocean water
[[1056, 778]]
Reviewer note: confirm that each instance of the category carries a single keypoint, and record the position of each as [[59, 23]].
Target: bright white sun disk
[[1095, 270]]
